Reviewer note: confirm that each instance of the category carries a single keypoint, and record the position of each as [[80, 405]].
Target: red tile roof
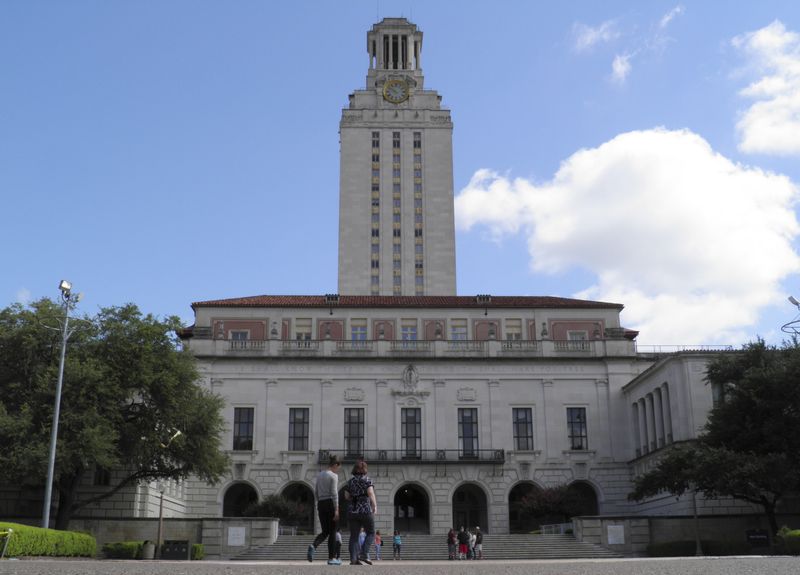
[[365, 301]]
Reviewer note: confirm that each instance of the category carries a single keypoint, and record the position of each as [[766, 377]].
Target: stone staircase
[[420, 547]]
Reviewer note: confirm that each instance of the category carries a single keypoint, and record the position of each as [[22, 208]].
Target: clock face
[[395, 91]]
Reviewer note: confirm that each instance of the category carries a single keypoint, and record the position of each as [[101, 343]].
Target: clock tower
[[396, 225]]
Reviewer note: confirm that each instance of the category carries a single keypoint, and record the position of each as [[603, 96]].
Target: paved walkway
[[687, 566]]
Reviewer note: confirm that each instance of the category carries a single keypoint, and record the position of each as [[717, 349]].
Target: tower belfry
[[396, 223]]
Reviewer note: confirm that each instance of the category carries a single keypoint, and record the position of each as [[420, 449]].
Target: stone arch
[[236, 497], [470, 506], [302, 494], [518, 520], [412, 508], [590, 500]]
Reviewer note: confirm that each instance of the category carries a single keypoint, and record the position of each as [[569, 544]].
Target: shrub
[[36, 541], [789, 541], [198, 551], [688, 548], [123, 550]]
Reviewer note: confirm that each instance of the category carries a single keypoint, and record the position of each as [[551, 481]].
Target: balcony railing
[[247, 345], [420, 456], [354, 346], [300, 345], [410, 346]]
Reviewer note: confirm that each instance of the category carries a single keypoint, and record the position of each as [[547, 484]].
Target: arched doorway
[[411, 510], [469, 508], [237, 498], [585, 498], [304, 497], [520, 520]]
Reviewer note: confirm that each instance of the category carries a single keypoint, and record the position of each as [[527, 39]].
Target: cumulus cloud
[[586, 37], [621, 67], [771, 125], [692, 243]]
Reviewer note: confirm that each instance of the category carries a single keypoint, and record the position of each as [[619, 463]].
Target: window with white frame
[[408, 329], [302, 329], [358, 329], [458, 329], [514, 329]]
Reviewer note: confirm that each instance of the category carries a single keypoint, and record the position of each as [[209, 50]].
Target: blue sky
[[642, 153]]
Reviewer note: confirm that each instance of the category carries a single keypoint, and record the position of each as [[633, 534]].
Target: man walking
[[327, 492]]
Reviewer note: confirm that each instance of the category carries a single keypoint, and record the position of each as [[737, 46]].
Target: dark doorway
[[302, 495], [469, 508], [237, 498], [411, 510], [520, 521], [586, 496]]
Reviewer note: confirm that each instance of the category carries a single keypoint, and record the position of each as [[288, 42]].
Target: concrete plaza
[[682, 566]]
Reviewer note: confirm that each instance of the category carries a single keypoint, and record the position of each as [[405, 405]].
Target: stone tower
[[396, 227]]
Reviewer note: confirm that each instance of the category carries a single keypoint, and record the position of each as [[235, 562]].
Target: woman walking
[[397, 544], [363, 507]]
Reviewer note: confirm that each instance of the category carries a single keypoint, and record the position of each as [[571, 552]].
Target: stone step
[[432, 548]]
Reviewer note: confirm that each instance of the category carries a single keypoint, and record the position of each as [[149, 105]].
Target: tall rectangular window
[[458, 329], [358, 329], [298, 428], [576, 428], [354, 431], [243, 428], [522, 418], [396, 140], [408, 329], [513, 329], [468, 432], [303, 329], [411, 431]]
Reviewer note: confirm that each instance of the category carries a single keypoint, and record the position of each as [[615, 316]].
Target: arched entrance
[[411, 510], [585, 498], [520, 520], [304, 497], [469, 508], [237, 498]]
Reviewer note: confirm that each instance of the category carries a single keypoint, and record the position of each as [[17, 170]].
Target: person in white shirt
[[327, 492]]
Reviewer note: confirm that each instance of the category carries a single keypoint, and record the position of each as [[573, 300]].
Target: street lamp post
[[160, 520], [68, 303]]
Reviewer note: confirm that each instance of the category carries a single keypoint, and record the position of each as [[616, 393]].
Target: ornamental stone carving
[[410, 378], [354, 394], [466, 394]]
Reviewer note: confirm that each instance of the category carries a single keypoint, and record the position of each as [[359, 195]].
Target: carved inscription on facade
[[354, 394], [466, 394]]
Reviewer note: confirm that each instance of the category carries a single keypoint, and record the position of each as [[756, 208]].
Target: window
[[396, 264], [243, 428], [395, 140], [354, 431], [396, 203], [375, 280], [417, 159], [418, 203], [240, 335], [576, 428], [396, 157], [376, 218], [358, 329], [578, 340], [468, 432], [408, 328], [376, 139], [376, 173], [298, 428], [418, 233], [522, 418], [419, 280], [418, 140], [418, 187], [302, 329], [396, 218], [458, 329], [376, 232], [375, 264], [396, 188], [417, 173], [396, 173], [418, 218], [411, 431], [418, 249], [376, 248], [396, 281], [376, 202], [396, 248], [396, 233], [513, 329], [376, 187]]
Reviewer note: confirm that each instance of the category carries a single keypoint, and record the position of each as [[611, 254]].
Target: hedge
[[790, 541], [36, 541], [198, 551], [123, 550]]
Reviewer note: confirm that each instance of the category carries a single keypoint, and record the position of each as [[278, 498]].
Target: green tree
[[128, 387], [556, 504], [750, 446]]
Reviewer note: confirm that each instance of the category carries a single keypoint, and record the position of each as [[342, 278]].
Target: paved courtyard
[[689, 566]]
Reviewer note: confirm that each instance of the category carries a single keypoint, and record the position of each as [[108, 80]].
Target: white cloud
[[771, 125], [23, 296], [621, 67], [586, 37], [669, 16], [693, 244]]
